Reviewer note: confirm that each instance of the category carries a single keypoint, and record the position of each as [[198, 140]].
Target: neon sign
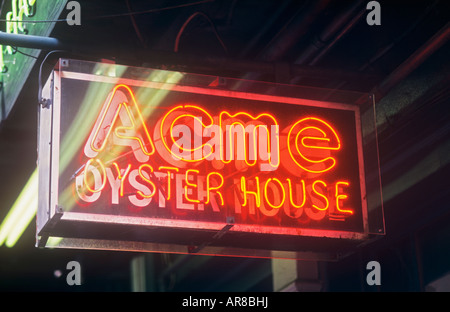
[[199, 149], [14, 23], [186, 161]]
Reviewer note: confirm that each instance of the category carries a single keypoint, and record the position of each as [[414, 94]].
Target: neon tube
[[21, 213]]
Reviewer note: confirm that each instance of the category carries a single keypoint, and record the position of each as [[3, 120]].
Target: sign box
[[153, 160]]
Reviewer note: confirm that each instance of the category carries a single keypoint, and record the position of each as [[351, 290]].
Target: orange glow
[[341, 196], [313, 138], [321, 195], [291, 200], [196, 145], [194, 185], [254, 136], [171, 131], [273, 163], [85, 175], [266, 197], [168, 169], [161, 128], [132, 127], [210, 188], [304, 144], [121, 178], [101, 125], [256, 193], [195, 118], [147, 180], [103, 171]]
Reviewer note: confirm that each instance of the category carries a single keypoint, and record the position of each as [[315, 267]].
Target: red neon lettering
[[138, 200], [341, 197], [317, 138], [194, 185], [291, 200], [120, 177], [248, 155], [273, 190], [176, 111], [310, 146], [133, 131], [103, 174], [320, 194], [210, 188], [169, 179], [246, 192], [266, 192], [268, 141], [142, 175]]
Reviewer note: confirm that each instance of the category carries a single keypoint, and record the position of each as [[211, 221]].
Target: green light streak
[[24, 209]]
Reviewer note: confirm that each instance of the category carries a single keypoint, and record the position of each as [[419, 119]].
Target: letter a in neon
[[120, 123]]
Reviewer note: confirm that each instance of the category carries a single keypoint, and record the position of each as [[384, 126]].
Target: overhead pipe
[[414, 61], [205, 64], [410, 64], [339, 36], [383, 51], [267, 25], [163, 57], [379, 54], [31, 41], [328, 33], [298, 28], [329, 36]]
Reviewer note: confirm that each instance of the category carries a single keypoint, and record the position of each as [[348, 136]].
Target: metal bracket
[[216, 236], [43, 235], [45, 103]]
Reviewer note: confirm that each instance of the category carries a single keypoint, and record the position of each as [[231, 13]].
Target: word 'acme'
[[187, 135]]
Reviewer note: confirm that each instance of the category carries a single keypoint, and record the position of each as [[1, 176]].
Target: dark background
[[403, 62]]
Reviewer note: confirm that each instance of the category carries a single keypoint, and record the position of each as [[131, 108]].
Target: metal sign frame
[[58, 227]]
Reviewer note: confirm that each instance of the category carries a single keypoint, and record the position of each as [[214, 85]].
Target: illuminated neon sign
[[189, 137], [170, 156], [14, 23], [191, 158]]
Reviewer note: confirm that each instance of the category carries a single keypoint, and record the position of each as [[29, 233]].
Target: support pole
[[32, 42], [297, 276], [167, 58]]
